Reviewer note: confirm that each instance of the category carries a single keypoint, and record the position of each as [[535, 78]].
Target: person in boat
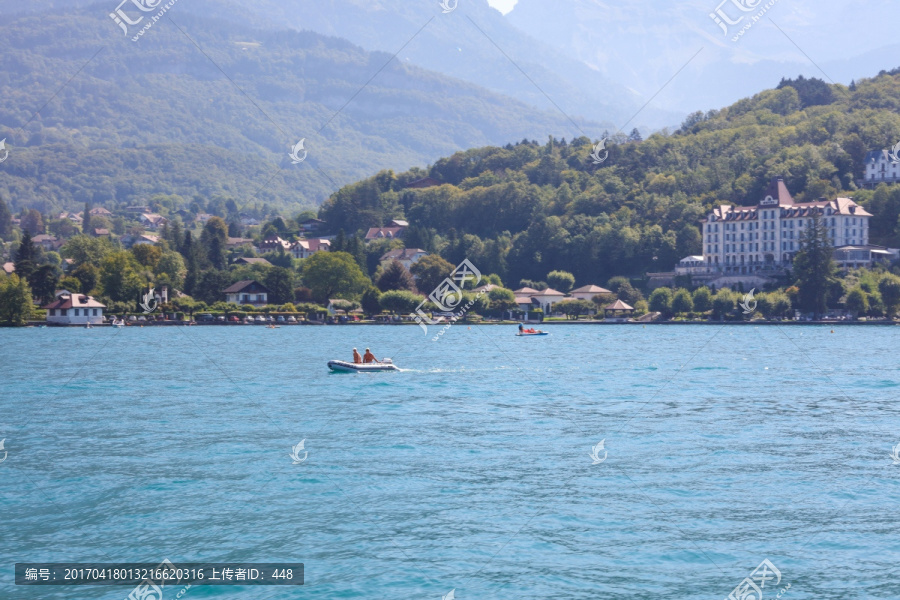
[[357, 359], [521, 328], [369, 357]]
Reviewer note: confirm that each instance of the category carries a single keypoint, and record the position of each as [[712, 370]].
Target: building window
[[95, 312]]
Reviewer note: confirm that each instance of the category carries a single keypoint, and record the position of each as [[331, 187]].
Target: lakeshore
[[882, 323]]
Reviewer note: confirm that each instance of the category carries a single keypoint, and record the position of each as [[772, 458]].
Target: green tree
[[172, 265], [32, 222], [702, 298], [400, 301], [333, 275], [26, 256], [724, 303], [6, 227], [87, 275], [857, 301], [889, 286], [394, 276], [44, 282], [781, 304], [214, 240], [814, 267], [280, 282], [682, 302], [86, 219], [661, 301], [72, 284], [430, 271], [210, 285], [147, 254], [371, 301], [16, 305], [120, 278], [574, 308], [561, 281], [85, 249]]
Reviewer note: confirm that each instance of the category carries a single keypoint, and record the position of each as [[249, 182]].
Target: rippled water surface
[[470, 470]]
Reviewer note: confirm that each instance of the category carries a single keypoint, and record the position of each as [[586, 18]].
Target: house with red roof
[[74, 309]]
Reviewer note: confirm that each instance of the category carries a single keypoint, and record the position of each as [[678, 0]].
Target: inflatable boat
[[523, 334], [340, 366]]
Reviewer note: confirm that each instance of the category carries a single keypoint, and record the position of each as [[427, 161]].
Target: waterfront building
[[74, 309]]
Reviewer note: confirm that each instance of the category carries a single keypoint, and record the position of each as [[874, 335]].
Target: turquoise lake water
[[469, 471]]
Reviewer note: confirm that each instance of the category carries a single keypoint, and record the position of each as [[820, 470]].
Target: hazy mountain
[[643, 44], [474, 42], [165, 115]]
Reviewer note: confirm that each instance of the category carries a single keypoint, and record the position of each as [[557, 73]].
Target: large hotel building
[[765, 238]]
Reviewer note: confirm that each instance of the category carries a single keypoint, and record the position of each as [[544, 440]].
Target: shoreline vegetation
[[881, 322]]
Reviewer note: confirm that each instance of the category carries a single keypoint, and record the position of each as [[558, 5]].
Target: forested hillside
[[161, 116], [522, 211]]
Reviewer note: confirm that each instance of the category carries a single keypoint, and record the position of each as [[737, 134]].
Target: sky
[[503, 6]]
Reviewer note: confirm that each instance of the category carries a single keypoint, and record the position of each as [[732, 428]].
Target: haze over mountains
[[201, 105], [161, 116], [641, 45]]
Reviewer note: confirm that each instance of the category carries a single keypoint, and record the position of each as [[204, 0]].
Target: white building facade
[[75, 309], [765, 238], [881, 167]]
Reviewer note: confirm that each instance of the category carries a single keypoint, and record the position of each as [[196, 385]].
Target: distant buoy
[[832, 331]]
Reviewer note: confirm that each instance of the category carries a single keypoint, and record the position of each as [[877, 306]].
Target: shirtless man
[[357, 359], [369, 357]]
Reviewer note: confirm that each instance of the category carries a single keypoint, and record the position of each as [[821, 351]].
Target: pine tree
[[25, 256], [814, 267], [635, 136]]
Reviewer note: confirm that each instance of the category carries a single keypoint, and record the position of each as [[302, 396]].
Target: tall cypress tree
[[5, 220], [86, 220]]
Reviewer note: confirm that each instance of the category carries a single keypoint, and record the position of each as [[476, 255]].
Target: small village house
[[243, 260], [394, 230], [405, 256], [306, 248], [152, 220], [547, 298], [247, 292], [74, 309]]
